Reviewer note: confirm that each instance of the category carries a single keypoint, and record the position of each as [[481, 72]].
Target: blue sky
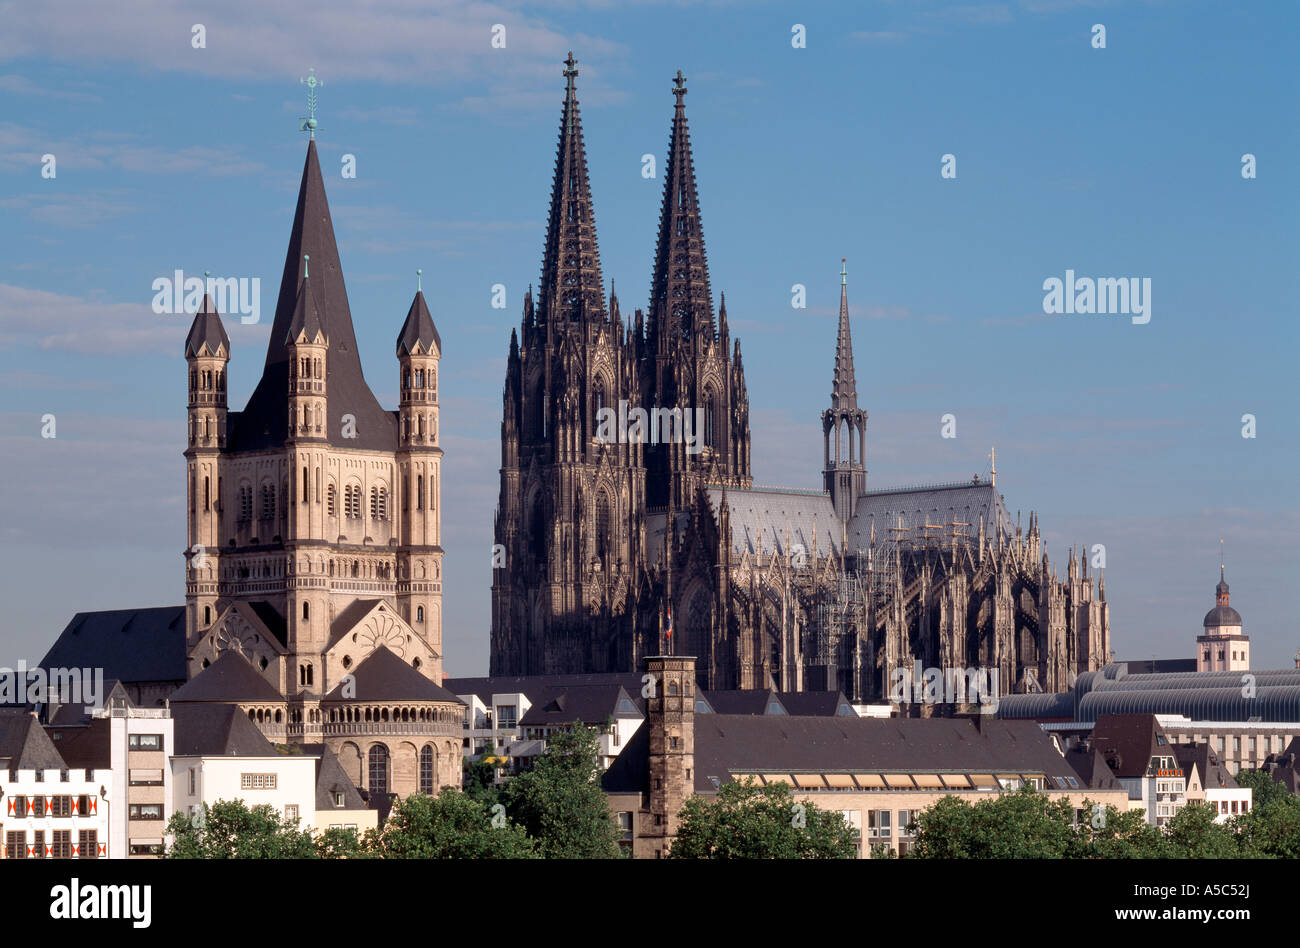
[[1117, 162]]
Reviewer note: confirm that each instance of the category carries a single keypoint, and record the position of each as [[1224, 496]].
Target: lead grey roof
[[1221, 615], [264, 421], [589, 704], [216, 730], [760, 516], [735, 744], [229, 678], [419, 328], [382, 676], [24, 743], [206, 330], [330, 779], [132, 645]]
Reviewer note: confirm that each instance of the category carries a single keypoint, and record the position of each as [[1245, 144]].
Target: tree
[[1110, 833], [746, 821], [337, 843], [560, 801], [230, 830], [452, 825], [480, 780], [1194, 834], [1271, 828], [1026, 824]]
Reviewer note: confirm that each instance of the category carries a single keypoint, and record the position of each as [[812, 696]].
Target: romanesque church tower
[[314, 556]]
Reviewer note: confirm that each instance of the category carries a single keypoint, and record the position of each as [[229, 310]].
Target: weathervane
[[844, 271], [679, 86], [993, 466], [419, 280], [309, 120]]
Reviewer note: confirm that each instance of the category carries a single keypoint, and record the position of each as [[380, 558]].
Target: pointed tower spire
[[844, 425], [265, 418], [571, 281], [679, 291], [844, 386]]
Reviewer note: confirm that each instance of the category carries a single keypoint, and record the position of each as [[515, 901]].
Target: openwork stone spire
[[844, 387], [571, 282], [679, 292]]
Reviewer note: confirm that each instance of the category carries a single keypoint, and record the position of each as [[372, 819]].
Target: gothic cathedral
[[615, 549]]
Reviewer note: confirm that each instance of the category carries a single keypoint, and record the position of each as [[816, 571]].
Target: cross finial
[[306, 260], [993, 466], [679, 86], [419, 281], [844, 271], [309, 120]]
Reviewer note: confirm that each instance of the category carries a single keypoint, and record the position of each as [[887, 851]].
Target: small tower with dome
[[1222, 645]]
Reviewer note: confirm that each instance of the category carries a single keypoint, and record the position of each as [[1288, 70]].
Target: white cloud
[[38, 319]]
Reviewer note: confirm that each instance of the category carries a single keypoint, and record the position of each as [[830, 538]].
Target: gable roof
[[331, 778], [24, 743], [1091, 767], [727, 745], [1128, 742], [539, 687], [823, 703], [131, 645], [760, 516], [382, 676], [86, 744], [229, 678], [216, 730], [589, 704], [264, 421], [748, 701], [1214, 776]]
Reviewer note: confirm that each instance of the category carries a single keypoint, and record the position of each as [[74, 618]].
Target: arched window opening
[[378, 769], [426, 769]]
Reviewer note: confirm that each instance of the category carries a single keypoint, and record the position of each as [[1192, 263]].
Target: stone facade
[[614, 550], [314, 520]]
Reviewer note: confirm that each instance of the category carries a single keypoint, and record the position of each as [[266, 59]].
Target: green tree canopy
[[230, 830], [746, 821], [451, 825], [560, 801]]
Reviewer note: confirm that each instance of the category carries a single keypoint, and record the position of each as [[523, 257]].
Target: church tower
[[1223, 644], [686, 365], [844, 424], [569, 525], [207, 352], [419, 463]]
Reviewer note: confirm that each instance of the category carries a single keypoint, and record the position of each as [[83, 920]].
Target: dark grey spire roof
[[680, 283], [229, 678], [385, 677], [264, 422], [306, 317], [571, 282], [206, 330], [844, 385], [419, 328]]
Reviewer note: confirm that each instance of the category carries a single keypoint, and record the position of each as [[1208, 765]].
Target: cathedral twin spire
[[571, 288], [680, 301]]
